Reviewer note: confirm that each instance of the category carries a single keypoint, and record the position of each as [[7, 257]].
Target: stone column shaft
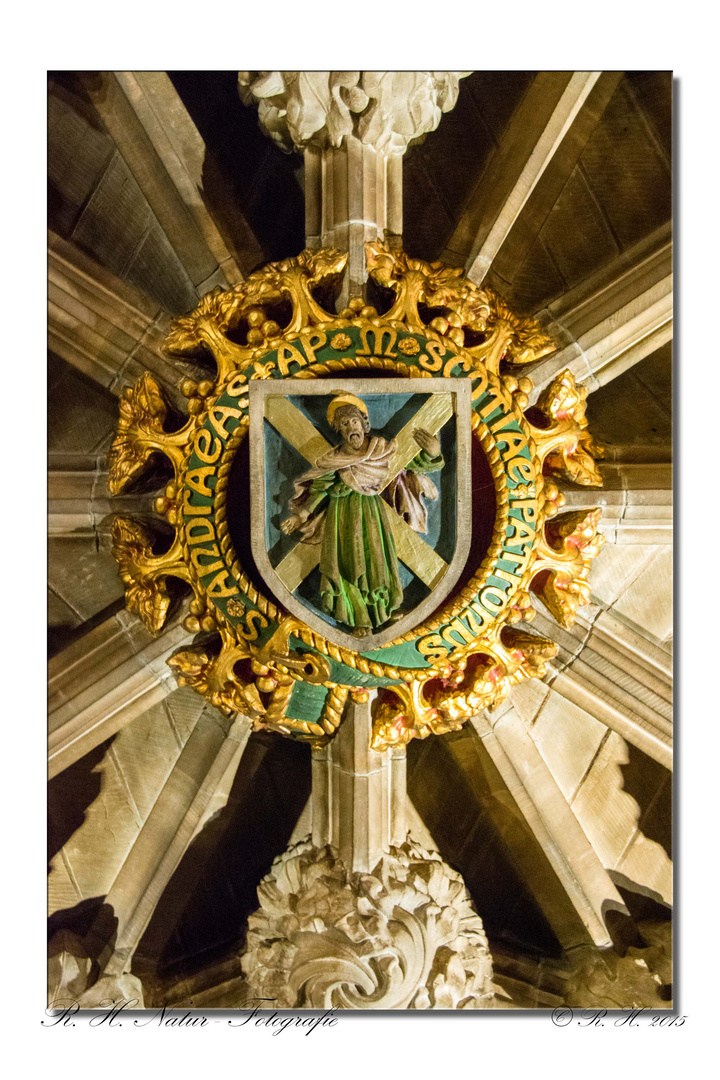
[[359, 795], [353, 194]]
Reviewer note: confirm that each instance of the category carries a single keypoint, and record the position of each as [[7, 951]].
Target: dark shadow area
[[441, 173], [636, 407], [91, 913], [62, 635], [650, 785], [205, 907], [641, 905], [243, 168], [477, 843], [70, 793], [621, 927]]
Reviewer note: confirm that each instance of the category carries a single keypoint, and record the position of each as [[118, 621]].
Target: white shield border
[[260, 390]]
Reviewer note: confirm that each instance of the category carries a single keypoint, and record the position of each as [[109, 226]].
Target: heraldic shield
[[360, 500]]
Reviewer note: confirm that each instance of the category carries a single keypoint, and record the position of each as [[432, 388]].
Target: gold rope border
[[489, 446]]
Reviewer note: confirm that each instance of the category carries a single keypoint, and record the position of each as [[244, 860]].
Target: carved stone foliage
[[387, 109], [404, 937]]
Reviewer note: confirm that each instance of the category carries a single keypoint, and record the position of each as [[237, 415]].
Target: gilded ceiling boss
[[340, 504]]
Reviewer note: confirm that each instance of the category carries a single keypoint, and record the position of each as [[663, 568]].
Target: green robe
[[360, 581]]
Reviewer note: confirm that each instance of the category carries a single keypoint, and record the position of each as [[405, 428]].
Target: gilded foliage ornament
[[254, 655]]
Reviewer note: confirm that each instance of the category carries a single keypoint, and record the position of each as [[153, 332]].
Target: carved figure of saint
[[341, 504]]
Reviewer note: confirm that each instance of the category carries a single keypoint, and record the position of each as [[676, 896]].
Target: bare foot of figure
[[362, 631]]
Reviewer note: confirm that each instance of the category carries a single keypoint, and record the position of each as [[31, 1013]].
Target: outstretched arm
[[430, 458]]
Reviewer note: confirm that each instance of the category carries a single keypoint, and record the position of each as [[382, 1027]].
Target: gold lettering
[[189, 509], [192, 536], [452, 363], [217, 586], [474, 625], [204, 441], [520, 470], [494, 403], [514, 441], [458, 628], [237, 385], [510, 556], [251, 618], [432, 648], [433, 361], [219, 416], [521, 535], [480, 612], [206, 568], [312, 343], [378, 339], [287, 354], [528, 508], [493, 599], [197, 480], [480, 387]]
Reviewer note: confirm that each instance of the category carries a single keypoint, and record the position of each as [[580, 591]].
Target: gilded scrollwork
[[439, 324], [206, 329], [141, 432], [563, 563], [478, 679], [415, 282], [143, 573], [513, 338], [258, 681], [566, 446], [506, 336]]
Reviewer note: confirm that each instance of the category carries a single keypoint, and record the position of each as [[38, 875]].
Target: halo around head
[[345, 399]]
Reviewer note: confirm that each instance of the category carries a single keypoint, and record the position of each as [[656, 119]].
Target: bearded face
[[352, 425]]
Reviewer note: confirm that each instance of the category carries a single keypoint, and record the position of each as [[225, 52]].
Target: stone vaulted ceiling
[[162, 186]]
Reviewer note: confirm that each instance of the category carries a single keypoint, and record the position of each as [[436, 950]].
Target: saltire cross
[[298, 430]]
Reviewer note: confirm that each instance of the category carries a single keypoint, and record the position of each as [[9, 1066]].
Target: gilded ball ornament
[[467, 651]]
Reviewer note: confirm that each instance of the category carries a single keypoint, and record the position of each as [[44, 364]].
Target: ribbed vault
[[554, 189]]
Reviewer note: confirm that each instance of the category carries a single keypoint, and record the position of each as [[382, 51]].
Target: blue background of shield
[[388, 413]]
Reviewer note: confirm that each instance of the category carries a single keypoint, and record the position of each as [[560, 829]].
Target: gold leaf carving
[[435, 706], [143, 410], [563, 564], [566, 446], [236, 673], [145, 594], [517, 339], [197, 667], [205, 329], [530, 650], [434, 284], [263, 690]]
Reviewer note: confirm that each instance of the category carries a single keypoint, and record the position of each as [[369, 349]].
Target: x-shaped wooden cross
[[295, 427]]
